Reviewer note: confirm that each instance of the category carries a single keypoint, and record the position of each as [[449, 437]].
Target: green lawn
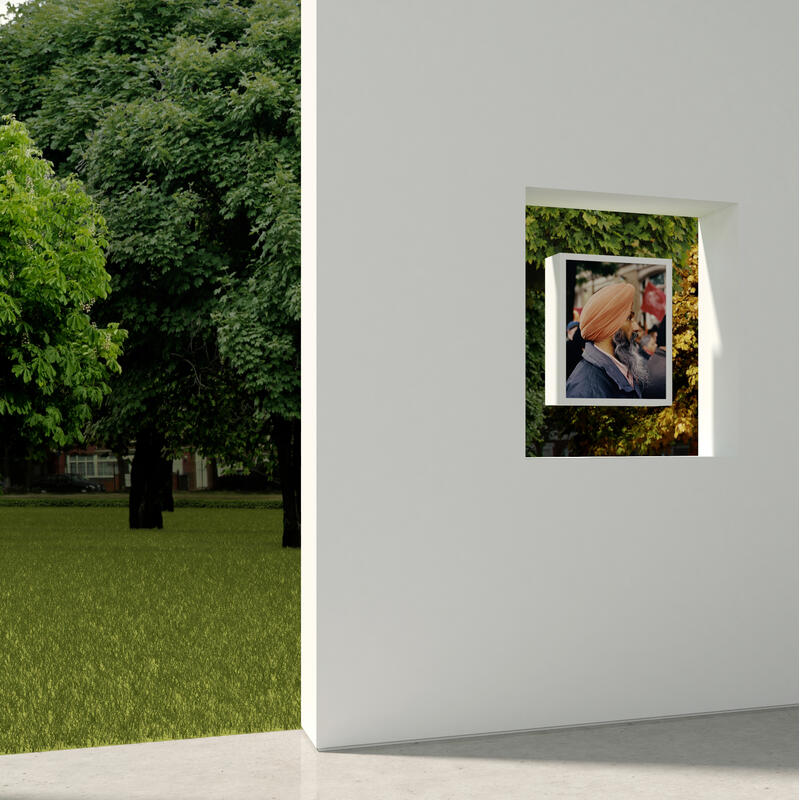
[[110, 636]]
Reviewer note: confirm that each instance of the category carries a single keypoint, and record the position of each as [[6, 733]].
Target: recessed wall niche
[[591, 390]]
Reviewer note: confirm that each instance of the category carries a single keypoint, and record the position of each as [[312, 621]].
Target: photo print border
[[555, 336]]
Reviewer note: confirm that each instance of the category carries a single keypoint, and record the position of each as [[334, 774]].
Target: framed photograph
[[608, 330]]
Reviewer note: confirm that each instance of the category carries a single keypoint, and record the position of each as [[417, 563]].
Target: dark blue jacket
[[598, 376], [657, 375]]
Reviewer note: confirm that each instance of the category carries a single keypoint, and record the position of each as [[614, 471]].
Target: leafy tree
[[259, 332], [610, 430], [184, 119], [55, 361]]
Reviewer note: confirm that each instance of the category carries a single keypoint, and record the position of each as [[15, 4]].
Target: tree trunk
[[7, 466], [167, 500], [28, 472], [150, 491], [213, 473], [287, 442], [296, 465]]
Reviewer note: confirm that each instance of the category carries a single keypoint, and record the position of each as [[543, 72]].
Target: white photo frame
[[632, 270]]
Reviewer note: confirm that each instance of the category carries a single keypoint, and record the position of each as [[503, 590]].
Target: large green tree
[[259, 332], [55, 361], [183, 118]]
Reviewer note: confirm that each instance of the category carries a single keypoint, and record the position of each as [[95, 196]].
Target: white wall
[[450, 585]]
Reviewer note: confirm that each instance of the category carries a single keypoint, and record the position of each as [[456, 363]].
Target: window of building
[[96, 465]]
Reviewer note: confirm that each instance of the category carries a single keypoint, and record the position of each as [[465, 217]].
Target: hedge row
[[85, 502]]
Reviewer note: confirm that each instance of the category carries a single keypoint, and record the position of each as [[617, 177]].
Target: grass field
[[109, 636]]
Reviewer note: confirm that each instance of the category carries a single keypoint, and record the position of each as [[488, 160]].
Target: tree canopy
[[55, 360], [183, 120]]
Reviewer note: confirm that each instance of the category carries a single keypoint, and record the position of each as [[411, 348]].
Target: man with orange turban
[[611, 365]]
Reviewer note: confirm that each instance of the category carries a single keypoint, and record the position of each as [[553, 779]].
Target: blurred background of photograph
[[584, 278]]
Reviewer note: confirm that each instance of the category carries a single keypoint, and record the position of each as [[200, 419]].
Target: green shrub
[[83, 501]]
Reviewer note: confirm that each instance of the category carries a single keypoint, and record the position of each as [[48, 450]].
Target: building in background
[[190, 472]]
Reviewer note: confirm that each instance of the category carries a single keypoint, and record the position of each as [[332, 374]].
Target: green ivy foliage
[[55, 361], [609, 430]]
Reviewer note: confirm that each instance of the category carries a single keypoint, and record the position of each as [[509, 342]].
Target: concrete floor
[[740, 756]]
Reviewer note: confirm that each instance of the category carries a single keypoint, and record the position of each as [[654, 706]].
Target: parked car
[[66, 483]]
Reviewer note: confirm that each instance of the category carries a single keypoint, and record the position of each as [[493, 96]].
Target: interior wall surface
[[458, 587]]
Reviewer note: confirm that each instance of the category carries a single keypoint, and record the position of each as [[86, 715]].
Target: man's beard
[[627, 351]]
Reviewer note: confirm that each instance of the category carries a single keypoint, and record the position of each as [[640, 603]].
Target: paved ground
[[739, 756]]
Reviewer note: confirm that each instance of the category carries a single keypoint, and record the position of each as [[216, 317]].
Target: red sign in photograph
[[654, 301]]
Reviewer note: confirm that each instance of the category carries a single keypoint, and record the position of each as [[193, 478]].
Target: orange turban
[[606, 310]]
